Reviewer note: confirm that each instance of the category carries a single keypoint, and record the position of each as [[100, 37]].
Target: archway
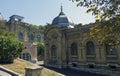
[[26, 56]]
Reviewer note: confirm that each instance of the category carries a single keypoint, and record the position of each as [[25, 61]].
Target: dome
[[1, 17], [62, 20]]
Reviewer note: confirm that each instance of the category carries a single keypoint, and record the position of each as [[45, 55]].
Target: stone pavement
[[2, 73]]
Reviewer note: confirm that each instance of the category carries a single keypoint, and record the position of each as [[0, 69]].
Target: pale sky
[[40, 12]]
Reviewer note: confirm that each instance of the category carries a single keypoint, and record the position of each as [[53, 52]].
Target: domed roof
[[62, 20], [1, 17]]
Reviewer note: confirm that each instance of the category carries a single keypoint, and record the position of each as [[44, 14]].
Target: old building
[[73, 47], [25, 34]]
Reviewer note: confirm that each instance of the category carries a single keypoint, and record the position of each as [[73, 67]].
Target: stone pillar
[[33, 71], [118, 53], [33, 50], [98, 54], [103, 54]]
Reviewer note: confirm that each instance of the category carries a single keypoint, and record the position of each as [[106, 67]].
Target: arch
[[53, 51], [20, 36], [110, 50], [31, 37], [74, 49], [95, 41], [38, 38], [26, 56], [90, 49]]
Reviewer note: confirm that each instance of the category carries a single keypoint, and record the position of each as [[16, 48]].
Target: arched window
[[74, 49], [31, 37], [90, 48], [110, 50], [20, 36], [26, 56], [53, 51], [38, 38]]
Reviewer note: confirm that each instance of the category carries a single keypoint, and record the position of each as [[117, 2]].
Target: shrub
[[10, 48], [41, 48]]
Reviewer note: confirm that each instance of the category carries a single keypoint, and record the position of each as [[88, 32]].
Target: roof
[[13, 17], [62, 20]]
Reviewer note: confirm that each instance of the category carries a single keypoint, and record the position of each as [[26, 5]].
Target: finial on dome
[[61, 8]]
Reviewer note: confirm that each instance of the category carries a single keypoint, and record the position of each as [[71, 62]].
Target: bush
[[10, 48], [41, 48]]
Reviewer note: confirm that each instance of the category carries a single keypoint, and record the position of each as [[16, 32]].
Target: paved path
[[71, 72], [2, 73]]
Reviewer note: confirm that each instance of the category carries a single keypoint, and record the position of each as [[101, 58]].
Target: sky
[[40, 12]]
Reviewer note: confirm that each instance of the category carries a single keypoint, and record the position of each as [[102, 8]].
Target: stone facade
[[73, 47], [27, 35]]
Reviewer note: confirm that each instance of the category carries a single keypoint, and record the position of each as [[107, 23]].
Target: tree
[[41, 48], [41, 27], [10, 48], [107, 14], [77, 25], [33, 26], [3, 27], [102, 9], [107, 32], [48, 25]]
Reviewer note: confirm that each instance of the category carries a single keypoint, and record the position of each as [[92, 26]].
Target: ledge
[[90, 55], [34, 68], [111, 56]]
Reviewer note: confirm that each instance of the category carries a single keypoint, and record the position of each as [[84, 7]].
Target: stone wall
[[27, 35], [63, 38]]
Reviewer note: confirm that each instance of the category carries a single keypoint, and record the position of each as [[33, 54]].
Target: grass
[[47, 72], [20, 65]]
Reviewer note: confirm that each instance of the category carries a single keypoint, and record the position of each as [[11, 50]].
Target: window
[[110, 50], [38, 38], [31, 37], [74, 50], [20, 36], [26, 56], [90, 48], [53, 51]]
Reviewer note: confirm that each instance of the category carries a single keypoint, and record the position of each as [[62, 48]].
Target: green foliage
[[37, 27], [41, 48], [41, 27], [4, 30], [3, 27], [78, 25], [102, 9], [10, 48], [48, 25], [33, 26], [107, 32]]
